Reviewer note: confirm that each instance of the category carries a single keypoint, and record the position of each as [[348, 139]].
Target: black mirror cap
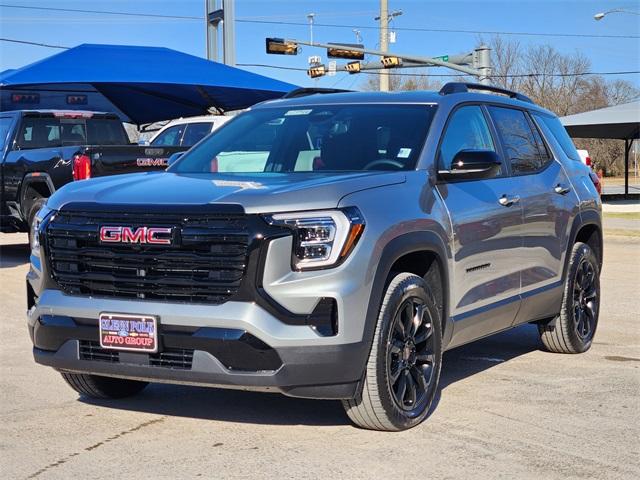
[[477, 164]]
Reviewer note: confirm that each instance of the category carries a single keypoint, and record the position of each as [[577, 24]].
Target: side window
[[5, 126], [560, 134], [467, 130], [39, 133], [519, 141], [194, 132], [170, 137]]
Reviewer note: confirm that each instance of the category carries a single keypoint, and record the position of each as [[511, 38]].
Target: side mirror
[[174, 158], [469, 164]]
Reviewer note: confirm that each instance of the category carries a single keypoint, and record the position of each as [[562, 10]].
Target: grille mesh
[[205, 263]]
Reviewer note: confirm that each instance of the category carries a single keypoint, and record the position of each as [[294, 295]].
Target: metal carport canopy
[[621, 122], [147, 84]]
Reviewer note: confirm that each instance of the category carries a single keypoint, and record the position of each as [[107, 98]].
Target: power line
[[103, 12], [300, 69], [37, 44], [519, 75], [304, 24], [441, 30]]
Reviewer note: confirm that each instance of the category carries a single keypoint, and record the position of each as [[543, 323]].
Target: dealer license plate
[[138, 333]]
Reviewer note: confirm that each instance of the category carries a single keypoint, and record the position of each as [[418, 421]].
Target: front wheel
[[572, 331], [403, 369]]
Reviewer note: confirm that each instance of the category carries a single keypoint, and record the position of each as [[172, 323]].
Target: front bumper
[[193, 352]]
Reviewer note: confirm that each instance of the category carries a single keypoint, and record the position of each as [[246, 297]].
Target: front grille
[[93, 351], [205, 263], [176, 358]]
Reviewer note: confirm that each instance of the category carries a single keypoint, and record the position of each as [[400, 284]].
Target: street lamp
[[601, 15], [395, 13]]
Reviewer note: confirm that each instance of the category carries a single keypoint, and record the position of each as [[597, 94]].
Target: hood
[[256, 193]]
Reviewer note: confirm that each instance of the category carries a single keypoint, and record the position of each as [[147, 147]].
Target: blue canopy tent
[[141, 84]]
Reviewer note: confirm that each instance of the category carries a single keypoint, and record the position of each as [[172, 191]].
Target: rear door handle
[[561, 189], [508, 201]]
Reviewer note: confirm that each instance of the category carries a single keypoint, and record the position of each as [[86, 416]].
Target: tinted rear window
[[38, 132]]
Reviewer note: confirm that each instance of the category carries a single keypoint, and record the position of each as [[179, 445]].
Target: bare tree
[[403, 81], [557, 81]]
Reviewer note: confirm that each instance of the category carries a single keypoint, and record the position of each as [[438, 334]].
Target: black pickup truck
[[42, 150]]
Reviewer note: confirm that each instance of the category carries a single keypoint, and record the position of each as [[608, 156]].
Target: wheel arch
[[422, 253], [38, 182], [586, 228]]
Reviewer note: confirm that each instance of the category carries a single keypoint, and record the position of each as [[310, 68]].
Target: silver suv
[[324, 246]]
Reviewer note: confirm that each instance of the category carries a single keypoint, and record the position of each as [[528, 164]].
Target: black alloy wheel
[[585, 300], [411, 356]]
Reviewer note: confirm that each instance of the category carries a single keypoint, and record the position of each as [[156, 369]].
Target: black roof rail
[[462, 87], [303, 92]]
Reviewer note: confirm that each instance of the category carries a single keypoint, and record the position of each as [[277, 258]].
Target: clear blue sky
[[543, 16]]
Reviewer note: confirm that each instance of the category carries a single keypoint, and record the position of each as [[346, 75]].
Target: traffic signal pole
[[482, 70]]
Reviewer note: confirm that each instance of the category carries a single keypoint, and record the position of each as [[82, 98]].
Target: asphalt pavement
[[506, 409]]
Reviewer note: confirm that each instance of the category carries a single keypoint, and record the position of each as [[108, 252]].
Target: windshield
[[314, 138]]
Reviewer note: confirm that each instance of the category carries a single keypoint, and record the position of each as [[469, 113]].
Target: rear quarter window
[[558, 131]]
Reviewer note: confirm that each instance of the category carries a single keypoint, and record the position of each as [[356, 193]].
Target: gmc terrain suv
[[323, 246]]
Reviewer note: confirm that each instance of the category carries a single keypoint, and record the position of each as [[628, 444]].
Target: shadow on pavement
[[13, 255], [275, 409]]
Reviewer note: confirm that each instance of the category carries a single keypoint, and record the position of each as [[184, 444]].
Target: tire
[[95, 386], [572, 331], [35, 207], [383, 403]]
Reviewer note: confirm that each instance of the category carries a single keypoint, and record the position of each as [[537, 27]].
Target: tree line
[[558, 84]]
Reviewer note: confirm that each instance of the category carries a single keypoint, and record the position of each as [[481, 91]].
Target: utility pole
[[214, 16], [229, 32], [384, 42], [211, 24]]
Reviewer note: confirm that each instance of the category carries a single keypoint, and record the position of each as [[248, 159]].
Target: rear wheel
[[95, 386], [572, 331], [403, 369]]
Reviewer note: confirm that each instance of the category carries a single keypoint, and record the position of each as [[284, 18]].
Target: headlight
[[35, 226], [321, 238]]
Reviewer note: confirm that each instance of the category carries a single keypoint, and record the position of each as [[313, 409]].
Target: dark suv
[[324, 246]]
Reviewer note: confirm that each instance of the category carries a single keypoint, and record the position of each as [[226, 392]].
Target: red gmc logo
[[138, 235]]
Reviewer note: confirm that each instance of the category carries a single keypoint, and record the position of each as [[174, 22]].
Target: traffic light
[[280, 46], [353, 67], [317, 71], [391, 62], [339, 52]]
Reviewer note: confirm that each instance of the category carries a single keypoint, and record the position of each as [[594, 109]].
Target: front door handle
[[508, 201], [561, 189]]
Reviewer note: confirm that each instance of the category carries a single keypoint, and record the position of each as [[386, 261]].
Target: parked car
[[586, 159], [187, 131], [337, 247], [42, 150]]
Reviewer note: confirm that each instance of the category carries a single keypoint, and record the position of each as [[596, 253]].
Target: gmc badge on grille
[[151, 235]]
